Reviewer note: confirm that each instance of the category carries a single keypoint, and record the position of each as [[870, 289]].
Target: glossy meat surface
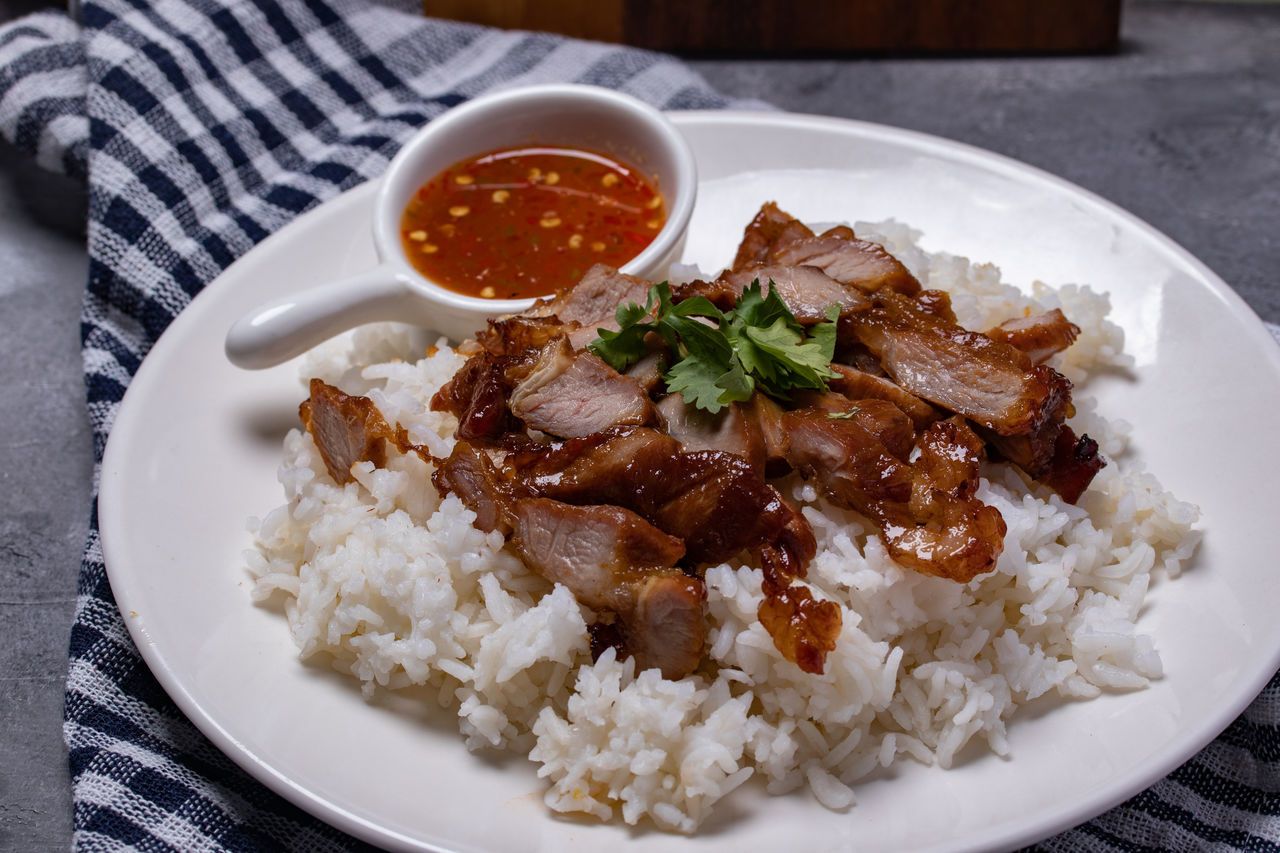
[[348, 429], [907, 348], [964, 372], [593, 301], [860, 385], [572, 394], [477, 397], [925, 508], [598, 552], [1039, 335], [712, 500], [775, 237], [732, 429], [610, 558], [769, 229], [807, 290], [860, 263]]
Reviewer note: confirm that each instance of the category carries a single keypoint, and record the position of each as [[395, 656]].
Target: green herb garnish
[[756, 344]]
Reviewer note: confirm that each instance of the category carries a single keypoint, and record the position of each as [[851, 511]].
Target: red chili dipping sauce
[[526, 222]]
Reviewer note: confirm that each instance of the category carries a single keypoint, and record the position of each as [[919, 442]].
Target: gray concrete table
[[1181, 126]]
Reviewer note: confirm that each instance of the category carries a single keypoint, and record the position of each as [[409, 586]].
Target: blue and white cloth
[[202, 126]]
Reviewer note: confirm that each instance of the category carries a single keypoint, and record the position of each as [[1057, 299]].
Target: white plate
[[195, 448]]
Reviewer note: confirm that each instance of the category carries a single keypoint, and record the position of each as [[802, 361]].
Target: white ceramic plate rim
[[128, 568]]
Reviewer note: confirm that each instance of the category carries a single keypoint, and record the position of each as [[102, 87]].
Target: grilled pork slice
[[1075, 462], [613, 560], [348, 429], [593, 301], [538, 358], [948, 459], [648, 370], [715, 501], [880, 418], [469, 473], [807, 291], [852, 463], [936, 303], [732, 429], [667, 628], [578, 312], [803, 627], [516, 334], [863, 264], [776, 237], [712, 500], [1018, 406], [857, 384], [571, 394], [965, 372], [1039, 335], [554, 389], [769, 230], [925, 509], [954, 538], [767, 414], [477, 397]]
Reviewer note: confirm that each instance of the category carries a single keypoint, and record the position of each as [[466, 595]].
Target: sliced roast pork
[[572, 394], [1019, 407], [477, 397], [515, 334], [1074, 463], [770, 229], [348, 429], [857, 384], [776, 237], [965, 372], [598, 552], [863, 264], [1038, 335], [712, 500], [732, 429], [470, 473], [553, 389], [807, 291], [613, 560], [925, 510], [593, 301]]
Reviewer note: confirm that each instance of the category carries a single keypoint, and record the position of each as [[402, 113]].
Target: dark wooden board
[[800, 26]]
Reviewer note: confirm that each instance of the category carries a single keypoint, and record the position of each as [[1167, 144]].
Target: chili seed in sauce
[[495, 220]]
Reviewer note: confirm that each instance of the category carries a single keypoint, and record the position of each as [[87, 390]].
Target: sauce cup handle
[[284, 328]]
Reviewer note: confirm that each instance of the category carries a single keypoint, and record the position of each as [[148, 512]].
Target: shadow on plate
[[265, 426]]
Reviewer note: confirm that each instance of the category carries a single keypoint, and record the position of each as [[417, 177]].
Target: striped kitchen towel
[[202, 126]]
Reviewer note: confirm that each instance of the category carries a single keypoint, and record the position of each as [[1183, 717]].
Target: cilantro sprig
[[720, 357]]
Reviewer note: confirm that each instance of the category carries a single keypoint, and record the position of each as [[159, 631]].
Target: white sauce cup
[[574, 116]]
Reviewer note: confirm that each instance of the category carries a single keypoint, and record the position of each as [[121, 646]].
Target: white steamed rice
[[397, 588]]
